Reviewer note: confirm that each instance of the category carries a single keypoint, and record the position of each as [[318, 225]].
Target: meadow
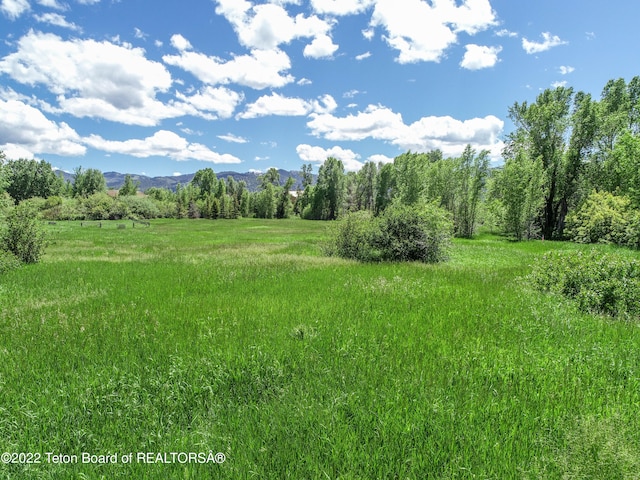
[[241, 337]]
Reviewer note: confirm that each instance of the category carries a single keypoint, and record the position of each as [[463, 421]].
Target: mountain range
[[115, 180]]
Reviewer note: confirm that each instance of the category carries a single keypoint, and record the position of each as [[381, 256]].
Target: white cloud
[[380, 159], [276, 104], [340, 7], [304, 81], [14, 8], [363, 56], [566, 70], [161, 144], [220, 100], [422, 32], [349, 159], [548, 41], [57, 20], [180, 43], [230, 137], [52, 4], [477, 57], [351, 93], [506, 33], [267, 26], [321, 47], [139, 33], [559, 84], [375, 122], [24, 128], [261, 69], [94, 79], [426, 134]]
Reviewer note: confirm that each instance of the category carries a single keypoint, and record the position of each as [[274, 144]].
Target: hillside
[[115, 179]]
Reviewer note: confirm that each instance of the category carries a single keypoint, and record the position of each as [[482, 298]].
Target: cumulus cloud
[[180, 43], [428, 133], [220, 100], [548, 41], [321, 47], [276, 104], [163, 143], [258, 70], [94, 79], [25, 129], [267, 26], [363, 56], [14, 8], [308, 153], [566, 70], [478, 57], [422, 32], [378, 158]]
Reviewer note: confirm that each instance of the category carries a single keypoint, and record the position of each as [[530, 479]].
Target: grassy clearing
[[240, 337]]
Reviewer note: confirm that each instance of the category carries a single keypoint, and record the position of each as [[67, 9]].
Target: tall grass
[[240, 337]]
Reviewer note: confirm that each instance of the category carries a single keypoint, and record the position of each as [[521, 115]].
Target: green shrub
[[401, 233], [632, 232], [97, 206], [6, 203], [352, 237], [23, 235], [69, 209], [141, 207], [602, 218], [599, 282], [421, 233], [8, 261]]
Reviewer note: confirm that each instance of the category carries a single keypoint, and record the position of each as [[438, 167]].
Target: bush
[[140, 207], [6, 203], [401, 233], [8, 261], [632, 232], [97, 206], [69, 209], [23, 235], [352, 237], [414, 233], [599, 282], [602, 218]]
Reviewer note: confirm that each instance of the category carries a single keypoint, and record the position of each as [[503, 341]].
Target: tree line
[[571, 170]]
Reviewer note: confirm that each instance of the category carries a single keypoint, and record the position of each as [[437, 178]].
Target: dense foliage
[[599, 282], [23, 235], [401, 233]]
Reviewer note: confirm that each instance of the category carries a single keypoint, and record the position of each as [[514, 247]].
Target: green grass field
[[240, 337]]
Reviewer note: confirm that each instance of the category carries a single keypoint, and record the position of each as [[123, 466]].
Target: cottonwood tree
[[471, 172], [519, 187], [329, 193], [367, 186], [129, 187], [87, 182], [542, 132], [31, 178]]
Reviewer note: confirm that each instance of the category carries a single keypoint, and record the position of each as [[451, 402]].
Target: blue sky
[[160, 88]]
